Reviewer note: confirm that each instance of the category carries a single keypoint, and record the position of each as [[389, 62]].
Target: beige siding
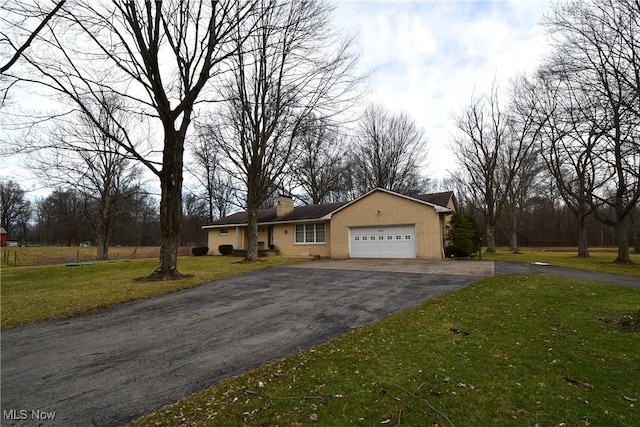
[[284, 236], [234, 237], [380, 208]]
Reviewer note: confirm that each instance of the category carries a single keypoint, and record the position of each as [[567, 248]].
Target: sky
[[430, 57], [427, 58]]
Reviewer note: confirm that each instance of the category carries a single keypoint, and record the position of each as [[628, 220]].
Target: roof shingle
[[311, 212]]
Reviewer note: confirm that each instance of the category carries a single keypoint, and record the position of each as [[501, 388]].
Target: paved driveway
[[111, 366]]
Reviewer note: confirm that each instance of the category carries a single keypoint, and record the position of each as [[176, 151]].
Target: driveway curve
[[111, 366], [502, 267]]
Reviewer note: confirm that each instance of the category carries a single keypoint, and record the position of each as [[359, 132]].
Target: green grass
[[33, 294], [506, 351], [600, 260]]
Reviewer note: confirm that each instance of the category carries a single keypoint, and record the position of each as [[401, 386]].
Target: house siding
[[285, 242], [235, 234], [283, 239], [393, 210]]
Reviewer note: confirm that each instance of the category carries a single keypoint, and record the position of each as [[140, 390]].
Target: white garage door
[[394, 241]]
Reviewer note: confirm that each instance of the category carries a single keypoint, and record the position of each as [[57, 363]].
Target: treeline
[[66, 217], [564, 139], [548, 222]]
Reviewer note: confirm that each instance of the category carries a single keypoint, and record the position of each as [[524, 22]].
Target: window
[[310, 233], [224, 231], [356, 238]]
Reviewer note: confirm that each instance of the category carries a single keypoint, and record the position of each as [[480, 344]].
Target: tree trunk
[[513, 239], [100, 249], [635, 231], [252, 230], [102, 239], [583, 243], [170, 207], [491, 238], [623, 242]]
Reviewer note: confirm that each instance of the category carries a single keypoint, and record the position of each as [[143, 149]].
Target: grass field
[[506, 351], [33, 294], [601, 259], [51, 255]]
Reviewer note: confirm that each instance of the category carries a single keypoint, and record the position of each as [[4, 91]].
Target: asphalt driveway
[[111, 366]]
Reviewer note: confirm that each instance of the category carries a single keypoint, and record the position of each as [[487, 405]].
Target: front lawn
[[600, 260], [506, 351], [33, 294]]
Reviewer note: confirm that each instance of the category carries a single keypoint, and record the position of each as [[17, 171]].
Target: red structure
[[3, 237]]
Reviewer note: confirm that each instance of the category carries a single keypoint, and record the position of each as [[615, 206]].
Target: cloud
[[430, 57]]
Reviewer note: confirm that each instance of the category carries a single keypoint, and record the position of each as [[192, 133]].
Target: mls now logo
[[23, 414], [14, 414]]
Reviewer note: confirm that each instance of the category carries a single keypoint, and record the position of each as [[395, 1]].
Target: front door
[[271, 236]]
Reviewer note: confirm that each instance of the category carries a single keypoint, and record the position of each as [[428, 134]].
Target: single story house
[[378, 224]]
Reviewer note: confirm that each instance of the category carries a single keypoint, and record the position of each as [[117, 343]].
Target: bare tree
[[24, 12], [520, 162], [288, 65], [477, 148], [208, 169], [321, 162], [596, 63], [157, 58], [389, 152], [91, 161], [496, 151], [517, 195], [195, 215], [15, 209], [61, 218], [567, 141]]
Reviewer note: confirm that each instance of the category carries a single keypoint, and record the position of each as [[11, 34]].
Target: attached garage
[[378, 224], [394, 241]]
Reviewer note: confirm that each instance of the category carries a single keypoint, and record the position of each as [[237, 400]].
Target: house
[[378, 224]]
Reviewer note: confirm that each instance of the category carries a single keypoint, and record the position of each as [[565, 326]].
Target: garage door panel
[[398, 241]]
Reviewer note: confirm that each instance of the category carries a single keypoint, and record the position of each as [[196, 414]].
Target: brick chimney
[[284, 206]]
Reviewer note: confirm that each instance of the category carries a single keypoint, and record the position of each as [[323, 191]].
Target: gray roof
[[313, 212], [300, 213], [440, 199]]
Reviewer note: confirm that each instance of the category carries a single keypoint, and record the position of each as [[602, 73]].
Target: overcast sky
[[429, 57]]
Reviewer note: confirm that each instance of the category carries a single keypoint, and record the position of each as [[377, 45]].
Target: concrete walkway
[[443, 267]]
